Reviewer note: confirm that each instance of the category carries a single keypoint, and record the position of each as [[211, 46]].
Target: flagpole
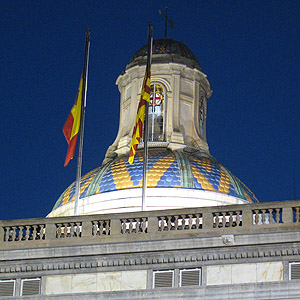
[[81, 130], [146, 131]]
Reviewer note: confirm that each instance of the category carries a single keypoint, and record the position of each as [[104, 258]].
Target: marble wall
[[245, 273], [96, 282]]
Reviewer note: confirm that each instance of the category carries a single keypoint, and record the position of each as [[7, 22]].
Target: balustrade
[[68, 229], [180, 222], [24, 233], [134, 225], [296, 214], [267, 216], [227, 219], [205, 220], [100, 227]]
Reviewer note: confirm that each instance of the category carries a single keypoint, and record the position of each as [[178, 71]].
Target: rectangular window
[[30, 286], [295, 270], [7, 288], [164, 278], [190, 277]]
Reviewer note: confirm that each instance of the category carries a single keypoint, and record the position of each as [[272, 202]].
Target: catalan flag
[[72, 125], [137, 133]]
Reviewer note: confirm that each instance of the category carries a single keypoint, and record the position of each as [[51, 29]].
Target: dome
[[178, 170], [166, 50]]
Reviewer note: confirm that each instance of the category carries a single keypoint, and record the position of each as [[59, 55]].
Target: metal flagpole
[[146, 131], [81, 130]]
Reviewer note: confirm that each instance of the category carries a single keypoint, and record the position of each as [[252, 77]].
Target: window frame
[[14, 287]]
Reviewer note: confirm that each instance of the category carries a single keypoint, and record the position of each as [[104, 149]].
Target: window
[[201, 115], [163, 278], [295, 270], [30, 286], [7, 288], [177, 278], [156, 113], [189, 277]]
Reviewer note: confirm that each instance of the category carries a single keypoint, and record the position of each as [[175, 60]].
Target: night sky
[[248, 49]]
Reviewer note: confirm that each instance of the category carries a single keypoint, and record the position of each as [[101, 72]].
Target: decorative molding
[[149, 259]]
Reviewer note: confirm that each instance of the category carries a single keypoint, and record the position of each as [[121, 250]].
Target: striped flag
[[72, 124], [137, 133]]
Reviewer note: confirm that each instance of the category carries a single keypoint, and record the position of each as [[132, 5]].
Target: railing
[[180, 222], [112, 228], [134, 225], [23, 233], [227, 219]]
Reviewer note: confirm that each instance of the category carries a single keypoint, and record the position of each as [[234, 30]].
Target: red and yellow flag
[[72, 124], [137, 133]]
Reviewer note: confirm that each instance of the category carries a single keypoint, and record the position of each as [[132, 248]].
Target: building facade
[[202, 235]]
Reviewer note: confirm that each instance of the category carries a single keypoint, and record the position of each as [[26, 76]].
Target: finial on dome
[[166, 20]]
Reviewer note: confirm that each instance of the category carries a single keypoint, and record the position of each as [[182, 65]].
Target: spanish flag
[[72, 125], [137, 133]]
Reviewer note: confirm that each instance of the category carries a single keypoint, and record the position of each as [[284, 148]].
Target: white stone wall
[[157, 198], [96, 282], [245, 273], [137, 280]]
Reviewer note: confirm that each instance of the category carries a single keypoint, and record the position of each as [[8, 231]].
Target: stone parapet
[[151, 225]]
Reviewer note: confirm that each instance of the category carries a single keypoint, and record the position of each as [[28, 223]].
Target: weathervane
[[166, 20]]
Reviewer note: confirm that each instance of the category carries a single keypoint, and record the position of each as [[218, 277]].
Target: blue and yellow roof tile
[[165, 169]]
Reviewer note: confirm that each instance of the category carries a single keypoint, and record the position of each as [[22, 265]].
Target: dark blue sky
[[248, 49]]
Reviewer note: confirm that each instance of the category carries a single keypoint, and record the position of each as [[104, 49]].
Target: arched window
[[201, 115], [156, 113]]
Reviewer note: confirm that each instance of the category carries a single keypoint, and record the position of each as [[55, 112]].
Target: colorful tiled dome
[[174, 51], [166, 169]]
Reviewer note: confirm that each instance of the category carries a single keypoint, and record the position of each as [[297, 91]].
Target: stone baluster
[[94, 228], [35, 232], [176, 223], [181, 222], [26, 235], [278, 215], [197, 221], [130, 225], [19, 233], [190, 221], [139, 225], [169, 224], [123, 227], [42, 231], [16, 233], [264, 217], [58, 230], [101, 227], [144, 224], [217, 221], [159, 224], [107, 227], [223, 219], [72, 227], [13, 233], [230, 219], [4, 233], [256, 216]]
